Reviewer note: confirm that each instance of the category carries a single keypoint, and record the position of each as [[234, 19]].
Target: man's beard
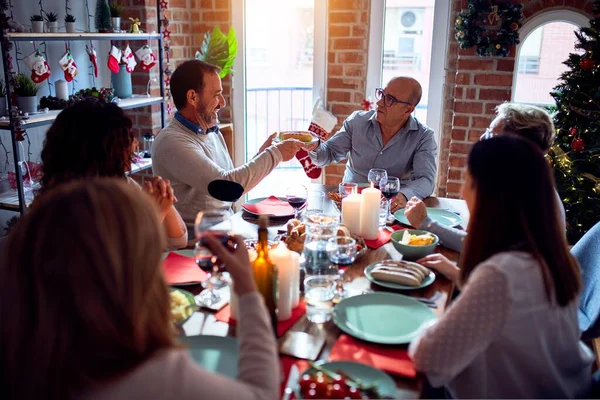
[[209, 118]]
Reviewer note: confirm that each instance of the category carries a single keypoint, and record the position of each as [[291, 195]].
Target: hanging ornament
[[578, 144], [91, 51], [40, 70], [113, 59], [573, 131], [367, 105], [67, 64], [164, 4], [128, 59], [587, 63], [166, 34], [146, 56]]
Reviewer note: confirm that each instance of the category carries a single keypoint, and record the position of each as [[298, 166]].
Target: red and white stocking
[[67, 64], [91, 51], [40, 70], [128, 59], [114, 57], [321, 124], [146, 56]]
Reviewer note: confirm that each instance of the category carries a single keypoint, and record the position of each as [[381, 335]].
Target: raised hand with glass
[[214, 223]]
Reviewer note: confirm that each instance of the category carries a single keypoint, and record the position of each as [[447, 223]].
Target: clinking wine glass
[[216, 224], [390, 187], [376, 175], [296, 197]]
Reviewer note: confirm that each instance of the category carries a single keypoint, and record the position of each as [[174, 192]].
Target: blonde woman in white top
[[513, 330]]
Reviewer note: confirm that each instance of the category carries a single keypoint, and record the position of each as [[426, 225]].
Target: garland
[[470, 27], [166, 33]]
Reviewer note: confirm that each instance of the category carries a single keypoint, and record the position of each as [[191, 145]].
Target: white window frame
[[238, 98], [437, 72], [569, 16]]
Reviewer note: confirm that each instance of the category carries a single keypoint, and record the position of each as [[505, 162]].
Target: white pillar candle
[[351, 213], [369, 213], [281, 257], [233, 303], [62, 90], [295, 257]]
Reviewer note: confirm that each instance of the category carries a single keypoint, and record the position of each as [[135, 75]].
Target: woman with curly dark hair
[[93, 139]]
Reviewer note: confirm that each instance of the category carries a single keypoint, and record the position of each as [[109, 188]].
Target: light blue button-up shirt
[[410, 155]]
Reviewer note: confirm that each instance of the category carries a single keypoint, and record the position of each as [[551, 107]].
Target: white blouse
[[501, 338]]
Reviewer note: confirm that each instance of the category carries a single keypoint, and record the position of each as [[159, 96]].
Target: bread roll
[[386, 275], [292, 223], [343, 231], [303, 136]]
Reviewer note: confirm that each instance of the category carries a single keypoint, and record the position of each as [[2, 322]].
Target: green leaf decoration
[[219, 49]]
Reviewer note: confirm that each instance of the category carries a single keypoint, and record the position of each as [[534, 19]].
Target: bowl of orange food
[[414, 244]]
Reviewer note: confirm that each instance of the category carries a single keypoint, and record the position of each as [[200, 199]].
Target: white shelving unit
[[62, 36]]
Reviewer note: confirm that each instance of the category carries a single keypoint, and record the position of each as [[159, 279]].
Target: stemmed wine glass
[[390, 187], [214, 223], [375, 176], [296, 197]]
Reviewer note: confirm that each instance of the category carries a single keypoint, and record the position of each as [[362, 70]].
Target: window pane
[[407, 44], [279, 80], [540, 62]]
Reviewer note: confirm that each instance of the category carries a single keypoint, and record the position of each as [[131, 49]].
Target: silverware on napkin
[[291, 382]]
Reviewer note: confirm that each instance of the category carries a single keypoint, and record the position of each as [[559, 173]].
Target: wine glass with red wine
[[216, 224], [390, 187], [375, 176], [296, 197]]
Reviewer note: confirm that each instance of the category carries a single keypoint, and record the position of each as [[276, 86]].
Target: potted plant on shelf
[[2, 98], [37, 23], [102, 17], [26, 92], [70, 23], [116, 10], [52, 19], [219, 49]]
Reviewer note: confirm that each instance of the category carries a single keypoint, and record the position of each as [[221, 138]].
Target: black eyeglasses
[[388, 99]]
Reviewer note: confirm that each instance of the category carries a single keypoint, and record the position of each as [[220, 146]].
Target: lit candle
[[351, 213], [369, 213], [281, 257], [62, 90], [295, 264]]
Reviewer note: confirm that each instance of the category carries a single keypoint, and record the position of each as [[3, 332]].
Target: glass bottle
[[265, 272]]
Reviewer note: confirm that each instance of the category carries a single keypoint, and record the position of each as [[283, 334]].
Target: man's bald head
[[405, 88]]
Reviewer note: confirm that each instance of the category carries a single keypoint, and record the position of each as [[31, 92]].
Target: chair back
[[587, 253]]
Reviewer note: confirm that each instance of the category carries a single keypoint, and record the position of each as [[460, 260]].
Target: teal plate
[[367, 374], [192, 301], [384, 318], [214, 353], [428, 280], [185, 253], [444, 217]]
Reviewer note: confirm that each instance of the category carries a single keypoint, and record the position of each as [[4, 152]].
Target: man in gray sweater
[[191, 152]]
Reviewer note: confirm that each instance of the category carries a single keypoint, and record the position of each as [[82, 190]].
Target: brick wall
[[474, 87], [348, 32]]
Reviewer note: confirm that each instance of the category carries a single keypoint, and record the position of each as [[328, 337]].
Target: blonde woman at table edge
[[524, 120], [86, 313], [513, 331]]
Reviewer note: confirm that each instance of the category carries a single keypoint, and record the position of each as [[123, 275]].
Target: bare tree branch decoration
[[6, 153], [89, 16]]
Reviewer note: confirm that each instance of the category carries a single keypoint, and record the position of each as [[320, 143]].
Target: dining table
[[204, 322]]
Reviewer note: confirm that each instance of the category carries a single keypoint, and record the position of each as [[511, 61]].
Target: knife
[[291, 382]]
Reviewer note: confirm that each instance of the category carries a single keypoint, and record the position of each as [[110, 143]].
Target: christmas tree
[[575, 155], [102, 16]]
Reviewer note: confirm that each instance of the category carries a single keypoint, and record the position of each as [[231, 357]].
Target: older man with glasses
[[389, 138]]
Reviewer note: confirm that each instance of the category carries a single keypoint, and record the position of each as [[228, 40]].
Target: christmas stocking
[[128, 59], [146, 56], [40, 70], [91, 51], [113, 60], [321, 125], [67, 63]]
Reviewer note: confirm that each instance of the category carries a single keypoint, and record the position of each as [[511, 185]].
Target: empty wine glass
[[375, 176], [390, 187], [296, 197], [216, 224]]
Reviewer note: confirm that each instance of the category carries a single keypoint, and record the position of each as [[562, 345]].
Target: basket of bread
[[336, 199], [400, 274], [296, 236]]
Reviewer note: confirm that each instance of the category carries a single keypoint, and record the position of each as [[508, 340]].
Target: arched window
[[546, 42]]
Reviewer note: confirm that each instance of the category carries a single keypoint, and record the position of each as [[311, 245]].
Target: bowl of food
[[414, 244], [183, 306]]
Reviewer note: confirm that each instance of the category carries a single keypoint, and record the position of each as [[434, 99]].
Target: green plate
[[385, 384], [192, 301], [384, 318], [185, 253], [444, 217], [428, 280], [215, 353]]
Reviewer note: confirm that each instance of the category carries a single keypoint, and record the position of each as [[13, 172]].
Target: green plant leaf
[[219, 49]]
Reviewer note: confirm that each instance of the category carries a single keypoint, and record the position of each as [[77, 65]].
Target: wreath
[[471, 24]]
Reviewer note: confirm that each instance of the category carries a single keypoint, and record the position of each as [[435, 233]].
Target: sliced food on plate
[[403, 272]]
